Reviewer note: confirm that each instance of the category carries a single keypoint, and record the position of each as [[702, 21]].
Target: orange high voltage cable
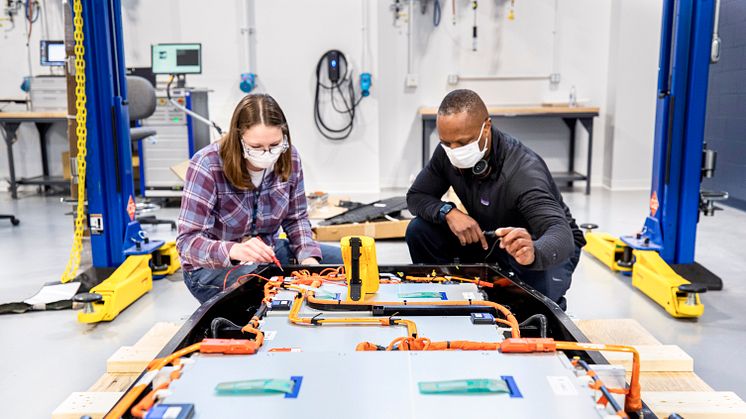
[[156, 365], [424, 344], [386, 321], [510, 318], [448, 278], [633, 402]]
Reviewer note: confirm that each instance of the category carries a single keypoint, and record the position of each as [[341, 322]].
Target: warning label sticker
[[131, 207], [96, 223], [654, 203]]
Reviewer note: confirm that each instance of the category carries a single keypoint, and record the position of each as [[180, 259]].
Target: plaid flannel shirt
[[214, 215]]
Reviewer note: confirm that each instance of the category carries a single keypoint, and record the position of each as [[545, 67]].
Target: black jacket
[[518, 192]]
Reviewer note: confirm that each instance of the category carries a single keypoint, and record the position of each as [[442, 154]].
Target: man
[[506, 188]]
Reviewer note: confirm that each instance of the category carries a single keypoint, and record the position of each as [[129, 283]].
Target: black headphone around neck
[[481, 169]]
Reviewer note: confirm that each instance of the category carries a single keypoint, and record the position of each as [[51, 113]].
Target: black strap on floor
[[18, 308]]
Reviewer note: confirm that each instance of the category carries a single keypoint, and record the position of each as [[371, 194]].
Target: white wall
[[606, 49], [633, 79], [291, 37], [520, 47]]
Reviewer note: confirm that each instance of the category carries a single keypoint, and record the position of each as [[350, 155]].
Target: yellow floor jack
[[650, 273], [146, 259]]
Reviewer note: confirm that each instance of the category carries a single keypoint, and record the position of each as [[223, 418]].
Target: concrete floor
[[47, 355]]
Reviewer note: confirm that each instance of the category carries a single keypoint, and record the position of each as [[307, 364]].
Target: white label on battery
[[469, 296], [562, 386], [172, 412], [269, 335]]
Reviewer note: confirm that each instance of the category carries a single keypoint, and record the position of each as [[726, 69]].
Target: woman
[[238, 192]]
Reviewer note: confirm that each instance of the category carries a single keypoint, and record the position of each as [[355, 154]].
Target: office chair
[[142, 102]]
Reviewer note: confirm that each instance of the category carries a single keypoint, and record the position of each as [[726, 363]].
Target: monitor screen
[[176, 58], [52, 53]]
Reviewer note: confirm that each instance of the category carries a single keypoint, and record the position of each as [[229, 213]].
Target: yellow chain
[[71, 270]]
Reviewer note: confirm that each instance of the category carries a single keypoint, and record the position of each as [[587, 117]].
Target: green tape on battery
[[420, 294], [258, 387], [325, 295], [469, 386]]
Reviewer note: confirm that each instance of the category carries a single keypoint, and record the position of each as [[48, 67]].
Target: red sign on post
[[654, 204], [131, 207]]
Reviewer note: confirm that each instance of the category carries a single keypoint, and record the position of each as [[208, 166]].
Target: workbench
[[569, 115], [10, 121]]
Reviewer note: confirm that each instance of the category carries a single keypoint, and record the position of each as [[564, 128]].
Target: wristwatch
[[445, 209]]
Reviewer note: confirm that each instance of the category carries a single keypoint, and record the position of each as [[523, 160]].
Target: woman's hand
[[309, 261], [253, 250]]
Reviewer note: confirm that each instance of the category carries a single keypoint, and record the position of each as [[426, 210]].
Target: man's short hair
[[463, 100]]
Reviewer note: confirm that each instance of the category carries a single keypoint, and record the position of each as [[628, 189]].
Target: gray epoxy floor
[[45, 356]]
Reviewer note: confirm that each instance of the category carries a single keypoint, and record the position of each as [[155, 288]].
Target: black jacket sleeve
[[553, 239], [424, 196]]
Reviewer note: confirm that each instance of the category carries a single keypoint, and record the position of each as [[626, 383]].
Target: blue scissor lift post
[[661, 257]]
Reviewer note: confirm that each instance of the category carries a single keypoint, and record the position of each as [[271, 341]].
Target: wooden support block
[[616, 332], [672, 381], [113, 382], [654, 358], [696, 405], [131, 359], [78, 404], [158, 335]]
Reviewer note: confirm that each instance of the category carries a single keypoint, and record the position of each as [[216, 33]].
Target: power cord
[[335, 88], [189, 112]]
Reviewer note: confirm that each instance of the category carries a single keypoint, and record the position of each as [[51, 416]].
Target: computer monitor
[[176, 58], [52, 53]]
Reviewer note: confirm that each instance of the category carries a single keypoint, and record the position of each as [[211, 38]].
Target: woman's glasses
[[260, 151]]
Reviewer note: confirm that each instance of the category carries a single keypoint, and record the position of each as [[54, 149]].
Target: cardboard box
[[180, 170], [379, 230]]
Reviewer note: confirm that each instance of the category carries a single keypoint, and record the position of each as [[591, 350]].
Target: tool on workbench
[[361, 266]]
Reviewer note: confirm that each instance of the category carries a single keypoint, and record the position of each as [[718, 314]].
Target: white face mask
[[266, 159], [465, 157], [264, 162]]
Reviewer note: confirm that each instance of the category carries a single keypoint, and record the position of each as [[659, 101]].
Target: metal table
[[569, 115], [10, 121]]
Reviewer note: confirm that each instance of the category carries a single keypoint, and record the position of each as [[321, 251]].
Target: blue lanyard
[[255, 210]]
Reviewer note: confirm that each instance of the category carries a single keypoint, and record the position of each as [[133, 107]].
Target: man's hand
[[465, 228], [309, 261], [253, 250], [518, 243]]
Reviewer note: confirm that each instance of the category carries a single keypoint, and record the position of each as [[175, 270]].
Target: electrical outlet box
[[412, 80], [555, 78], [453, 79]]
